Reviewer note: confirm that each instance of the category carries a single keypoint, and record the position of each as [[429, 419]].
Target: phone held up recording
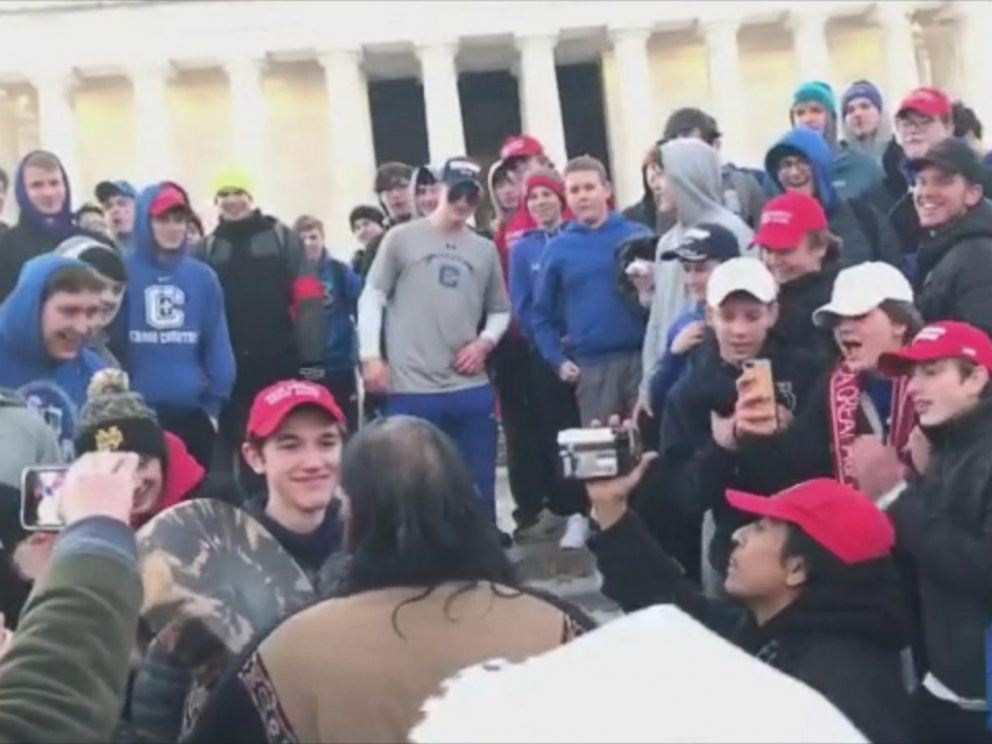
[[41, 507], [756, 385]]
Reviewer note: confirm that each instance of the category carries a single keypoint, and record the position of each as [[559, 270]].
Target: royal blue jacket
[[671, 367], [178, 348], [342, 288], [525, 269], [57, 390], [578, 282]]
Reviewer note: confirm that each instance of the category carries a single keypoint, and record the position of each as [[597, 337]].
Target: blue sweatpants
[[469, 418]]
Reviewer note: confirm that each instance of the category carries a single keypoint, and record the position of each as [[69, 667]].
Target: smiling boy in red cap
[[942, 513]]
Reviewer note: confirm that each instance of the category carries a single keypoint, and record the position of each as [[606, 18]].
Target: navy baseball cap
[[107, 189], [706, 242], [457, 171]]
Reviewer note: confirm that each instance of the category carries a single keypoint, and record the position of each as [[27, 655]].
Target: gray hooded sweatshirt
[[692, 169], [25, 439]]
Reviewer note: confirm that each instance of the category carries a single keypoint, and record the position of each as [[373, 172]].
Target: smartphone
[[758, 380], [41, 509]]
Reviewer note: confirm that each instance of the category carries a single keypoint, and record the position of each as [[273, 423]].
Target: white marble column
[[637, 109], [445, 134], [809, 40], [153, 125], [727, 88], [974, 22], [57, 119], [540, 105], [351, 145], [895, 21], [248, 120]]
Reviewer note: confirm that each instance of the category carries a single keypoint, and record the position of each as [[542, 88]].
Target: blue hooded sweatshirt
[[525, 268], [579, 281], [179, 351], [342, 288], [57, 390], [815, 149]]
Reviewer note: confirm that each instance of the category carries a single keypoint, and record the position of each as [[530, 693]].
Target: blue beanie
[[861, 89], [816, 90]]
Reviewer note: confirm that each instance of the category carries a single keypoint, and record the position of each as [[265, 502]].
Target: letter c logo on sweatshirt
[[164, 307]]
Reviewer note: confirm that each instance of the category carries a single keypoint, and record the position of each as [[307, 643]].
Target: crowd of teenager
[[834, 521]]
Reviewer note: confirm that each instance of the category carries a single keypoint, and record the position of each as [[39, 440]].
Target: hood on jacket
[[423, 175], [59, 225], [20, 314], [865, 601], [143, 242], [182, 475], [814, 148], [494, 170], [692, 169]]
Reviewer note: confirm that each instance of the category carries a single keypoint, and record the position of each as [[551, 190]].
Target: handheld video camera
[[587, 454]]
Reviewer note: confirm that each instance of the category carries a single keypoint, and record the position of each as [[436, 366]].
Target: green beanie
[[818, 91]]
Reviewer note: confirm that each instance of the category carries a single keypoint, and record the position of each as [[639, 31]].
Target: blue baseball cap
[[706, 242], [107, 189]]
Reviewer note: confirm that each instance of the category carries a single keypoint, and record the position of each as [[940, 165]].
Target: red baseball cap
[[947, 339], [786, 219], [276, 402], [931, 102], [836, 516], [169, 197], [521, 146]]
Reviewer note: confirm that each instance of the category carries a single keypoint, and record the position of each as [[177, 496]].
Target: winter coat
[[842, 636], [797, 300], [273, 300], [697, 470], [25, 439], [944, 520], [693, 171], [955, 266], [863, 231], [64, 676]]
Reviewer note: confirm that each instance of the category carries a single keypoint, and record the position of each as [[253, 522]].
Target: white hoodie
[[692, 169]]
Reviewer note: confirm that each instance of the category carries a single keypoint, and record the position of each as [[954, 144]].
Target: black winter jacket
[[697, 471], [955, 265], [796, 302], [259, 261], [842, 637], [20, 244], [944, 520]]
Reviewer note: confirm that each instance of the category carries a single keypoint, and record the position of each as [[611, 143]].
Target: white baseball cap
[[860, 289], [744, 274]]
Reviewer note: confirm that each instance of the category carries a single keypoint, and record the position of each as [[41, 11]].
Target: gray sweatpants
[[608, 389]]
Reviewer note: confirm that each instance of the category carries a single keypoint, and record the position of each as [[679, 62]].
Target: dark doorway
[[399, 123], [580, 88], [490, 113]]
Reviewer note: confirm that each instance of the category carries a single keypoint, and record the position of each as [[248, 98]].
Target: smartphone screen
[[40, 508]]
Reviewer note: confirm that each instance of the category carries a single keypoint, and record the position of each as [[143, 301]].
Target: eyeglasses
[[915, 121]]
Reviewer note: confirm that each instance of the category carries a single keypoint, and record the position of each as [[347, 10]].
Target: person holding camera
[[64, 673], [813, 590]]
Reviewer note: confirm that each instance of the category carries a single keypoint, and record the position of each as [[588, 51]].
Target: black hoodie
[[955, 266], [842, 637]]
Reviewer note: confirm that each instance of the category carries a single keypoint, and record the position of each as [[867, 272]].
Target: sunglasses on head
[[469, 192]]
